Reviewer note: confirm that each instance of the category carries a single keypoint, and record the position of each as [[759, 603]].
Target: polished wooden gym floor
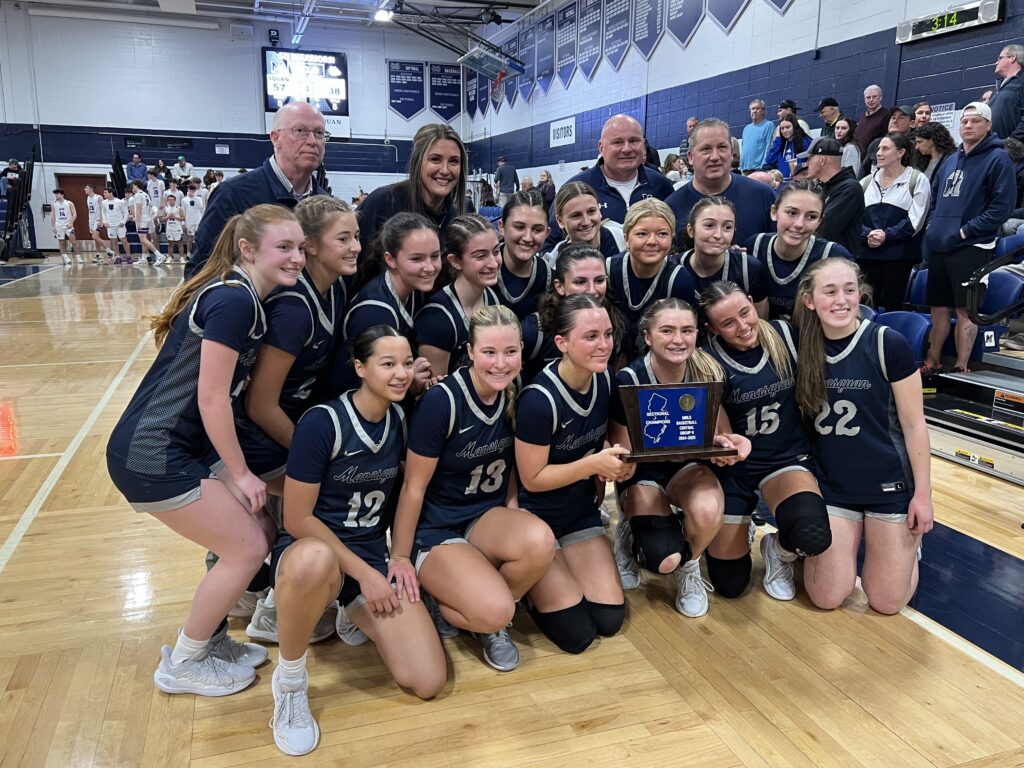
[[90, 590]]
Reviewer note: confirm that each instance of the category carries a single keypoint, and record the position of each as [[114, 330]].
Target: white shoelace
[[292, 709]]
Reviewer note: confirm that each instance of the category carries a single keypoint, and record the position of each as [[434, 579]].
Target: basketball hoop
[[496, 89]]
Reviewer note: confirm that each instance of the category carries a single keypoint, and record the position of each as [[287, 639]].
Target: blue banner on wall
[[780, 5], [683, 18], [725, 13], [648, 25], [588, 52], [469, 91], [511, 83], [445, 90], [482, 89], [616, 31], [527, 52], [565, 43], [405, 87], [546, 52]]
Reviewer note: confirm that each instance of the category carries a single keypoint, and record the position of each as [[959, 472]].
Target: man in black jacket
[[1007, 103], [844, 197]]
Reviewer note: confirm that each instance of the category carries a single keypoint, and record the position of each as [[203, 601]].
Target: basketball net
[[496, 89]]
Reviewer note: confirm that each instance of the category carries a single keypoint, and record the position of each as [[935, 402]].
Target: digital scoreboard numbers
[[319, 78], [953, 19]]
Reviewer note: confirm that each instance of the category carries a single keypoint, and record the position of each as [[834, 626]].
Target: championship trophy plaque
[[672, 422]]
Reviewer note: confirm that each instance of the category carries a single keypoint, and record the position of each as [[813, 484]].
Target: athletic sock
[[292, 671], [186, 648], [268, 601], [784, 554]]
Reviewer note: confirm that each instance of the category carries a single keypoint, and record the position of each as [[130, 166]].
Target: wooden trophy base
[[679, 456]]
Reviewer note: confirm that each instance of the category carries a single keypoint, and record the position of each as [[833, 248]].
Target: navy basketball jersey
[[163, 416], [740, 268], [760, 404], [443, 323], [521, 294], [321, 315], [377, 303], [572, 425], [857, 441], [355, 462], [476, 457], [634, 295], [784, 276]]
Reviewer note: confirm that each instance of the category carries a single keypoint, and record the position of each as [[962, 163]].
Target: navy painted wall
[[96, 145], [953, 68]]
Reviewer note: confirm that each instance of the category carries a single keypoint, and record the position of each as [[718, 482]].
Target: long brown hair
[[250, 226], [547, 307], [457, 235], [767, 336], [498, 316], [700, 367], [810, 373], [421, 143]]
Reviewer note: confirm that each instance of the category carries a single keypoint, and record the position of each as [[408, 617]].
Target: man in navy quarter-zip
[[620, 177], [972, 195]]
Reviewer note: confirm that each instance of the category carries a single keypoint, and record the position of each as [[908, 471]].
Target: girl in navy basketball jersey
[[473, 258], [786, 253], [341, 482], [711, 227], [524, 275], [578, 215], [644, 273], [180, 420], [759, 360], [302, 324], [859, 385], [561, 422], [579, 268], [406, 261], [457, 524], [648, 532]]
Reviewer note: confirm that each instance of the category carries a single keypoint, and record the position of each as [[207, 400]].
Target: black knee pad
[[730, 578], [571, 629], [608, 618], [261, 580], [656, 537], [803, 524]]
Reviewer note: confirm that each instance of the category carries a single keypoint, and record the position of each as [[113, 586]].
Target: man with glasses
[[299, 139], [1007, 101]]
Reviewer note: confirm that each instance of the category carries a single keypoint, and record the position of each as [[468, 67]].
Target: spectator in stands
[[934, 144], [789, 107], [669, 167], [651, 157], [901, 120], [9, 175], [1015, 149], [1007, 102], [986, 96], [135, 170], [828, 108], [435, 188], [757, 138], [547, 189], [844, 197], [506, 178], [843, 130], [209, 178], [488, 208], [784, 150], [181, 171], [922, 114], [874, 123], [896, 198], [765, 177], [684, 145], [298, 137], [711, 159], [163, 172], [620, 177], [526, 184], [975, 194]]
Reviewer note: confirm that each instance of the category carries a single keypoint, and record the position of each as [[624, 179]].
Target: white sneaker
[[692, 591], [226, 648], [79, 258], [606, 518], [203, 675], [67, 260], [246, 604], [629, 569], [751, 533], [263, 625], [295, 730], [110, 253], [778, 573], [347, 630], [500, 651], [159, 260], [444, 629]]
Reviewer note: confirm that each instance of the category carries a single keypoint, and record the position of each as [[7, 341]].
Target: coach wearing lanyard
[[620, 177], [286, 177]]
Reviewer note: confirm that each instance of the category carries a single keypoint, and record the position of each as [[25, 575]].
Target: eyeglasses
[[303, 133]]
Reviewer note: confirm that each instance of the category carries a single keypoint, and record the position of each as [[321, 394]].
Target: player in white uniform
[[194, 207], [155, 188], [62, 217], [114, 212], [172, 215], [140, 209], [94, 203]]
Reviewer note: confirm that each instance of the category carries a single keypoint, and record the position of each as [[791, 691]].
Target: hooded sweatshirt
[[974, 192]]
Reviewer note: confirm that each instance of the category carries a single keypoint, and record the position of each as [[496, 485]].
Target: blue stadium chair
[[867, 313], [916, 287], [1007, 245], [914, 326], [1003, 290]]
